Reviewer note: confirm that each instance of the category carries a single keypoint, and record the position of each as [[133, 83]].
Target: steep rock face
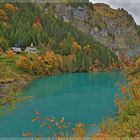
[[115, 29]]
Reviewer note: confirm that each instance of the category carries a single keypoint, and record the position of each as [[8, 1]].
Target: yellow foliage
[[75, 45], [49, 63], [135, 89], [10, 7], [137, 63], [123, 90], [87, 49], [37, 26], [79, 131], [34, 25], [135, 82], [37, 63], [53, 62], [24, 63], [101, 136], [3, 15], [105, 10], [10, 53]]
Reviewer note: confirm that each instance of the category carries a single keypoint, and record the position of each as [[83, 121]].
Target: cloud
[[132, 6]]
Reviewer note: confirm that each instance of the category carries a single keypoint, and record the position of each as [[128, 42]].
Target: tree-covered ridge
[[24, 23]]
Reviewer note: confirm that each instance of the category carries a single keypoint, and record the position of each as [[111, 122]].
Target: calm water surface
[[81, 97]]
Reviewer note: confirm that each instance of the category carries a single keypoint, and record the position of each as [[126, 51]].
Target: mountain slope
[[115, 29], [23, 23]]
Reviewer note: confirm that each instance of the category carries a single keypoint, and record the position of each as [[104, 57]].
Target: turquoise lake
[[79, 97]]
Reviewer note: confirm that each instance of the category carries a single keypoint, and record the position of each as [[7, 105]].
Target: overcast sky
[[132, 6]]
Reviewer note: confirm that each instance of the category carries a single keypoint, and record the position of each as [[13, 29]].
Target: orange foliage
[[23, 58], [137, 63], [3, 15], [10, 7], [106, 11], [101, 136], [135, 89], [79, 131], [34, 25], [125, 59], [37, 63], [75, 45], [53, 62], [136, 97], [119, 102], [37, 25], [123, 90], [37, 22], [135, 82], [10, 53], [24, 63], [47, 64]]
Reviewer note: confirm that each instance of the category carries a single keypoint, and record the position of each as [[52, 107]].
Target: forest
[[61, 48], [49, 33]]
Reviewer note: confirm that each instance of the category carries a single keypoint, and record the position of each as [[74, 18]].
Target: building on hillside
[[117, 53], [31, 50], [16, 49]]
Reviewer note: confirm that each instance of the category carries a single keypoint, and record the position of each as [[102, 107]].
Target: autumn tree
[[30, 24], [10, 53], [3, 15], [52, 62], [37, 65], [24, 63], [137, 62], [10, 7]]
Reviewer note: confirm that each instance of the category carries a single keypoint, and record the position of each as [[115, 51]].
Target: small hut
[[117, 53], [31, 50], [16, 49]]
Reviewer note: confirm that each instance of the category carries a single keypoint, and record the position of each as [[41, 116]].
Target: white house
[[117, 53], [31, 50], [16, 49]]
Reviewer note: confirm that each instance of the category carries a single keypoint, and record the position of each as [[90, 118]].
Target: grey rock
[[113, 32]]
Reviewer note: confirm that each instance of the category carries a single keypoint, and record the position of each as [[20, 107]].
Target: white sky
[[132, 6]]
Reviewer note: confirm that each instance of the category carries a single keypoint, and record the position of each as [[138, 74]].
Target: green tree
[[3, 43]]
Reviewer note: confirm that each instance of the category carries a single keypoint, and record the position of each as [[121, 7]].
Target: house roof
[[31, 49], [16, 49]]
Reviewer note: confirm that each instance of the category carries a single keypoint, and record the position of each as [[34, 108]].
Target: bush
[[10, 53], [48, 64], [24, 63]]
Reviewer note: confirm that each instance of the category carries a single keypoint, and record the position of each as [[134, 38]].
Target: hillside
[[115, 29], [61, 47], [24, 23]]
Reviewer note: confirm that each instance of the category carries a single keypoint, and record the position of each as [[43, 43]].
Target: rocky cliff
[[115, 29]]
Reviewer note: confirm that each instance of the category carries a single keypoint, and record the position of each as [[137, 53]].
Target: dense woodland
[[23, 24]]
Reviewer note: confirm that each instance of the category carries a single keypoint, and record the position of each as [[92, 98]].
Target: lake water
[[80, 97]]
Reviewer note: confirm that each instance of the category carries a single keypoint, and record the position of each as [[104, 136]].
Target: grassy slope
[[12, 80], [11, 77]]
